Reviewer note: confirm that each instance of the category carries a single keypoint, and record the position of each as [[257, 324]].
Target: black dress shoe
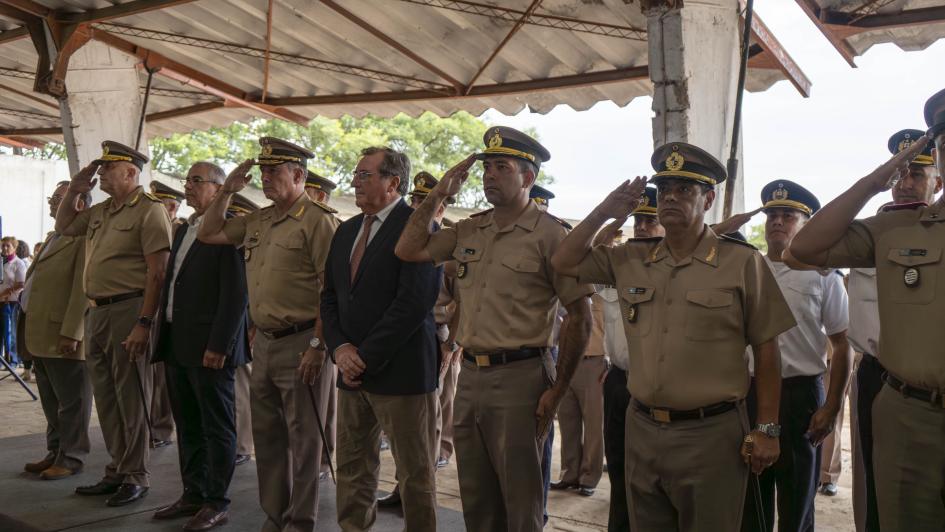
[[101, 488], [127, 494], [562, 485], [241, 459], [207, 519], [180, 508], [389, 501], [585, 491]]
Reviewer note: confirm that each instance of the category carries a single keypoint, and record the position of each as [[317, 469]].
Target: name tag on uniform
[[635, 290], [913, 252], [469, 251]]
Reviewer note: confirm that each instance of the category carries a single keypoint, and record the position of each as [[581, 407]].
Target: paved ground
[[21, 437]]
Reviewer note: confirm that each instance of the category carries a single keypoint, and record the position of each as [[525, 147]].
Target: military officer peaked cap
[[679, 160], [504, 141], [786, 194], [277, 151], [541, 195], [162, 191], [314, 180], [242, 205], [423, 184], [114, 151], [935, 114], [907, 137], [647, 205]]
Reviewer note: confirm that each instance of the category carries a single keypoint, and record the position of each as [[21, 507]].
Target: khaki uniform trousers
[[118, 401], [497, 453], [162, 419], [331, 416], [830, 459], [244, 416], [687, 475], [909, 462], [581, 420], [410, 424], [444, 417], [284, 424]]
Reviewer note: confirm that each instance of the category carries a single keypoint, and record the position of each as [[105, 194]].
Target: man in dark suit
[[202, 340], [377, 314]]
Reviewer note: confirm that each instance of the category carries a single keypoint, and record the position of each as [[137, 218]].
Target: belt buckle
[[660, 415], [483, 361]]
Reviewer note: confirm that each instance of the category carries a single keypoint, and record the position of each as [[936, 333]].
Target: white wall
[[25, 183]]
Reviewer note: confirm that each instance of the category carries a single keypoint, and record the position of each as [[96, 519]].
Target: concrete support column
[[104, 103], [694, 57]]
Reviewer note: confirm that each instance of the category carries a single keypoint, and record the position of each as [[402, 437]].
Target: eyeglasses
[[193, 180], [364, 174], [54, 197]]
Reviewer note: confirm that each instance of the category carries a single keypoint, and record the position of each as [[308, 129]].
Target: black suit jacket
[[210, 306], [387, 313]]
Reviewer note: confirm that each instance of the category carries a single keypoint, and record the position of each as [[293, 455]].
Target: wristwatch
[[315, 343], [145, 321], [771, 430], [453, 346]]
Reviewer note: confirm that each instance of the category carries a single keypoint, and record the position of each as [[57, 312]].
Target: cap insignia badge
[[266, 150], [675, 161], [496, 140], [780, 193]]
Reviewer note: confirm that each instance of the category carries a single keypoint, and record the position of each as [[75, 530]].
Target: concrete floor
[[52, 505]]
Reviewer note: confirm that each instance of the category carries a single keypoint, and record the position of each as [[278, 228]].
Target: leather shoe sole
[[563, 485], [178, 509], [127, 494], [157, 444], [57, 472], [389, 501], [101, 488]]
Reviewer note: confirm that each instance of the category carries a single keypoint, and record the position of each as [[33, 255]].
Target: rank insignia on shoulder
[[911, 277], [152, 197], [327, 208], [461, 270], [481, 213]]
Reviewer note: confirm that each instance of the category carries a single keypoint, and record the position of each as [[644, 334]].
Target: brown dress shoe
[[206, 519], [178, 509], [55, 472], [38, 467]]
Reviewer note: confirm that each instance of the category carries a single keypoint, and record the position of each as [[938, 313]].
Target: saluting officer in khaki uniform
[[692, 301], [162, 419], [128, 240], [905, 244], [507, 393], [241, 206], [285, 247]]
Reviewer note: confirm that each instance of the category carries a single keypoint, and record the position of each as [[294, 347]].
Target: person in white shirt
[[14, 278], [818, 301], [616, 395]]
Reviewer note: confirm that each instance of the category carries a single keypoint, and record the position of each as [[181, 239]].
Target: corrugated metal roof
[[853, 26], [331, 58]]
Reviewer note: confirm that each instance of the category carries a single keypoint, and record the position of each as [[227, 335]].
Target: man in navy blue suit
[[378, 323]]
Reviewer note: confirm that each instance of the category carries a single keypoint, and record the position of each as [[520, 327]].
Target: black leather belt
[[665, 415], [932, 397], [484, 359], [102, 301], [282, 333]]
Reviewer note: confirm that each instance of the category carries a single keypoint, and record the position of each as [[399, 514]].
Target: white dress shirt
[[864, 311], [189, 237], [13, 272], [819, 304], [615, 339], [379, 218]]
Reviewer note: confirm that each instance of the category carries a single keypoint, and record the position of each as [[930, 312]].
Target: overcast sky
[[824, 142]]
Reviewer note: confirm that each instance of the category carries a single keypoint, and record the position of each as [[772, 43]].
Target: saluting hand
[[623, 199], [886, 176], [452, 181], [84, 181], [733, 222], [239, 177]]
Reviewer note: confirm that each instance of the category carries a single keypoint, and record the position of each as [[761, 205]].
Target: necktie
[[361, 245]]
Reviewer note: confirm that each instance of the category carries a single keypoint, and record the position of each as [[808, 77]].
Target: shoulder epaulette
[[905, 206], [152, 197], [563, 223], [487, 211], [325, 207], [726, 238]]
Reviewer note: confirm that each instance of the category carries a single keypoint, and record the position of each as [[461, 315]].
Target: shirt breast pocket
[[94, 225], [288, 254], [468, 263], [637, 310], [913, 275], [804, 296], [711, 314], [518, 273]]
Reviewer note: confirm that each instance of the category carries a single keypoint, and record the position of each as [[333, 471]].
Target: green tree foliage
[[433, 144], [756, 237]]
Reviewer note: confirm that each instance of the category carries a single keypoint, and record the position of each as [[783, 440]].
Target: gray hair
[[214, 172], [395, 163]]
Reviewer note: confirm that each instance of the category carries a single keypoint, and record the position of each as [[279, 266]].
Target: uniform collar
[[528, 220], [934, 212], [296, 211], [707, 250], [131, 201]]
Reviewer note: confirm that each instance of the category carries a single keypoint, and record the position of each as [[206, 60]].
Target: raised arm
[[618, 204], [82, 183], [411, 246], [211, 230], [828, 226]]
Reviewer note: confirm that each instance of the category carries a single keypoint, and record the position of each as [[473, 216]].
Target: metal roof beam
[[31, 131], [26, 114], [16, 13], [30, 96], [14, 35], [816, 14], [781, 58], [199, 80], [393, 43], [126, 9], [184, 111], [28, 6], [13, 73], [20, 142], [495, 53], [879, 21]]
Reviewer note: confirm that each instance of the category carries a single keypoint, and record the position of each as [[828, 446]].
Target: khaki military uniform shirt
[[285, 260], [595, 343], [688, 322], [506, 287], [904, 246], [118, 236]]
